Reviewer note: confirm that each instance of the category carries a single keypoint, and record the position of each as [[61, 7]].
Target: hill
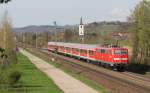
[[96, 32]]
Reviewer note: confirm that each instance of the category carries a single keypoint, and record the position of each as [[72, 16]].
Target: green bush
[[13, 77], [138, 68], [10, 77]]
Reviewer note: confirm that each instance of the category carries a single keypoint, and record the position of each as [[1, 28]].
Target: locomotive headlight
[[124, 58], [117, 58], [120, 58]]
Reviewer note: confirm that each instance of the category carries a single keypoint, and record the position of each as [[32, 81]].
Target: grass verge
[[83, 79], [32, 80], [148, 74]]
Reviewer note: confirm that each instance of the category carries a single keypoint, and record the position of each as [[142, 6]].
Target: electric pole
[[36, 40], [24, 45], [55, 24]]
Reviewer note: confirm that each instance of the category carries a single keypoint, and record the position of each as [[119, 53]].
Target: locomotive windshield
[[120, 52]]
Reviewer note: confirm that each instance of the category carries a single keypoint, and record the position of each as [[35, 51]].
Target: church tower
[[81, 28]]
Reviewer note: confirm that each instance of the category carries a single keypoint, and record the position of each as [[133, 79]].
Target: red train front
[[115, 57]]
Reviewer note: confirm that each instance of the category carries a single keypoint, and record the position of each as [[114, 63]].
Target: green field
[[32, 80]]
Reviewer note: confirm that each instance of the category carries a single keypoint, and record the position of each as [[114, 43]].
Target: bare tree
[[4, 1]]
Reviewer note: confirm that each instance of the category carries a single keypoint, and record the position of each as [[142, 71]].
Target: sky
[[66, 12]]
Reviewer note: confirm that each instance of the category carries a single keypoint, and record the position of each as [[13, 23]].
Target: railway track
[[138, 76], [120, 82]]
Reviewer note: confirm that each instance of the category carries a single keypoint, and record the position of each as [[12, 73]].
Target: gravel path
[[65, 82]]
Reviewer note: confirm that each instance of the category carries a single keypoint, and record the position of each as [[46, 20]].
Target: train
[[106, 55]]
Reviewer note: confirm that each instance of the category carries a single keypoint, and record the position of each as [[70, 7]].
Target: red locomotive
[[112, 56]]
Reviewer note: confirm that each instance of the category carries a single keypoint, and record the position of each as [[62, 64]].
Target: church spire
[[81, 28], [81, 22]]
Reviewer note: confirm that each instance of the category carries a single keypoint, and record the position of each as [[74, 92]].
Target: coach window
[[81, 51], [77, 50], [63, 47], [108, 52], [103, 51], [98, 51], [91, 52], [68, 48], [85, 52], [73, 49]]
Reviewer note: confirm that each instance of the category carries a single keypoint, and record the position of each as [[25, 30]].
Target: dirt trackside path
[[65, 82]]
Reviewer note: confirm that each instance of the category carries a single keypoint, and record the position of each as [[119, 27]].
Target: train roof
[[75, 45], [82, 46]]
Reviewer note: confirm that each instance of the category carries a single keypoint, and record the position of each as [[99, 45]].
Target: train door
[[108, 55], [99, 55], [91, 54], [103, 55]]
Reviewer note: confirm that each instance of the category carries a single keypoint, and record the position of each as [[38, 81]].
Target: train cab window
[[117, 52], [123, 51], [120, 52]]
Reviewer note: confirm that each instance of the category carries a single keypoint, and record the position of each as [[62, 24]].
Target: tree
[[8, 58], [4, 1], [140, 32], [68, 35]]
